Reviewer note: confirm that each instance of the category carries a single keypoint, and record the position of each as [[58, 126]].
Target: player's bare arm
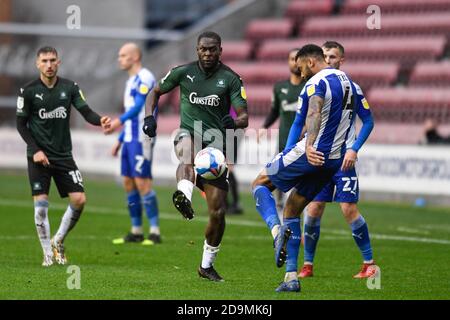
[[241, 120], [313, 120], [349, 160]]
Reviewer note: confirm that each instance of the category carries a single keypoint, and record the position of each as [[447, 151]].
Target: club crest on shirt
[[220, 83]]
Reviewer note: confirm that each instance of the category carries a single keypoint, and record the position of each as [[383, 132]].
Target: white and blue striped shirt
[[136, 91], [338, 92]]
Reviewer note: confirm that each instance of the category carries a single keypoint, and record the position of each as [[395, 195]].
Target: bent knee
[[78, 201], [316, 209], [350, 211], [262, 180], [217, 214]]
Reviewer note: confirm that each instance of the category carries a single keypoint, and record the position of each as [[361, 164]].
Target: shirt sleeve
[[171, 79], [237, 93], [23, 103], [299, 122], [78, 99], [364, 113], [317, 88]]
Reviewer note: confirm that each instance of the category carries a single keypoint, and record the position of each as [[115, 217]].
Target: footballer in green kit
[[208, 90], [43, 121]]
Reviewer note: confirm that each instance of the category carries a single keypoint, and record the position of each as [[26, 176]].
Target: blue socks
[[293, 244], [135, 208], [311, 237], [151, 208], [265, 205], [360, 233]]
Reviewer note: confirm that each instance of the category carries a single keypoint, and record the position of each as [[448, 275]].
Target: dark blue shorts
[[291, 168], [346, 185], [136, 159]]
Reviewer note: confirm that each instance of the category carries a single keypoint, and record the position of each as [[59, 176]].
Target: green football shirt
[[48, 113], [285, 102], [205, 98]]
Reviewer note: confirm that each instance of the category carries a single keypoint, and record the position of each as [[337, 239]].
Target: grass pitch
[[411, 245]]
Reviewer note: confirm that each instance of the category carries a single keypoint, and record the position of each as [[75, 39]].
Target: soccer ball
[[210, 163]]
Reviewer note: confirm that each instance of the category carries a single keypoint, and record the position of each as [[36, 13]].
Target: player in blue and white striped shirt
[[327, 102], [344, 188], [137, 151]]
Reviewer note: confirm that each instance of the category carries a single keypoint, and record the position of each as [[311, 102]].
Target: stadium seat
[[372, 74], [299, 9], [366, 74], [413, 104], [261, 73], [392, 24], [236, 50], [406, 49], [260, 29], [431, 74], [397, 6], [259, 98]]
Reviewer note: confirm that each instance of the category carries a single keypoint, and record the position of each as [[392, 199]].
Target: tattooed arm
[[313, 122]]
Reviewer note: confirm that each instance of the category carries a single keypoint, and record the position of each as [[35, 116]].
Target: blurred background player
[[284, 105], [344, 188], [432, 136], [136, 157], [326, 108], [43, 121], [208, 90]]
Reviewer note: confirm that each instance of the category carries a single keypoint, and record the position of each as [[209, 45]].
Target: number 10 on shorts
[[76, 177]]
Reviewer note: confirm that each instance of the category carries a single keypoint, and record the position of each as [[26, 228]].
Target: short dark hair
[[310, 50], [334, 44], [46, 49], [210, 34]]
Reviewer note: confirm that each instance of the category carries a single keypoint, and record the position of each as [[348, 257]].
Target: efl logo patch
[[20, 103], [243, 93], [365, 104], [143, 89], [82, 95], [311, 90]]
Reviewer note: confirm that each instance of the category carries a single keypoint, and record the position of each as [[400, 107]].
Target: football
[[210, 163]]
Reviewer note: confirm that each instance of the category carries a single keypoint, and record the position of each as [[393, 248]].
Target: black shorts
[[65, 173], [221, 182]]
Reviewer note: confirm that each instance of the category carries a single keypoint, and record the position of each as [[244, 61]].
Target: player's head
[[209, 49], [129, 55], [334, 54], [310, 60], [47, 61], [293, 68]]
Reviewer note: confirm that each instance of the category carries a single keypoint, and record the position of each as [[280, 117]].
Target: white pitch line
[[412, 230], [170, 216], [444, 227]]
